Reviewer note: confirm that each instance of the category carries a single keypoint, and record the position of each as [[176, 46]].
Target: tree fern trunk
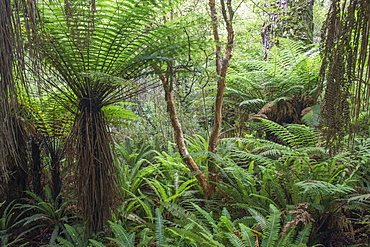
[[13, 163], [96, 173], [36, 169]]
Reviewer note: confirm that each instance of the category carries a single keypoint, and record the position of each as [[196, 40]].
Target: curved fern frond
[[247, 235], [304, 234], [235, 240], [271, 232], [260, 219], [321, 190], [247, 157], [253, 103], [293, 135], [278, 130], [122, 237]]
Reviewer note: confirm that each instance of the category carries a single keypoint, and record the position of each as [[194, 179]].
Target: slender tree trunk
[[179, 135], [222, 65]]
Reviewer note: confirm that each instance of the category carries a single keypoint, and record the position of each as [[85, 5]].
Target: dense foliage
[[161, 123]]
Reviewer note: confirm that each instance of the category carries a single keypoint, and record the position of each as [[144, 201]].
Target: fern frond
[[360, 198], [253, 102], [180, 212], [271, 232], [192, 236], [313, 188], [235, 240], [247, 235], [260, 219], [304, 136], [245, 157], [206, 215], [277, 130], [122, 237], [159, 228], [304, 234]]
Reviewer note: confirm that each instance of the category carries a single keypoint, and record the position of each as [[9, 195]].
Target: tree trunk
[[36, 169], [179, 135], [287, 19], [96, 174], [55, 178], [13, 158], [222, 65]]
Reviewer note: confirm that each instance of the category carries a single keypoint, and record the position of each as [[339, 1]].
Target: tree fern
[[100, 52], [290, 72]]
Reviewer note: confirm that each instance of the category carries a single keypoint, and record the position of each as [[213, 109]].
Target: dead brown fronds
[[302, 216]]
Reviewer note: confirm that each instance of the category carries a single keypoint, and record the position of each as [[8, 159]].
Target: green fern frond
[[277, 130], [247, 157], [294, 90], [184, 215], [293, 135], [271, 232], [269, 148], [360, 198], [202, 155], [226, 213], [253, 103], [304, 234], [323, 189], [95, 243], [207, 215], [247, 235], [260, 219], [75, 236], [305, 136], [319, 151], [122, 237], [159, 228], [197, 143], [235, 240], [191, 236]]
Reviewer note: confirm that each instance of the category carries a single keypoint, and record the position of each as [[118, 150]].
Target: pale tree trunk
[[222, 65]]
